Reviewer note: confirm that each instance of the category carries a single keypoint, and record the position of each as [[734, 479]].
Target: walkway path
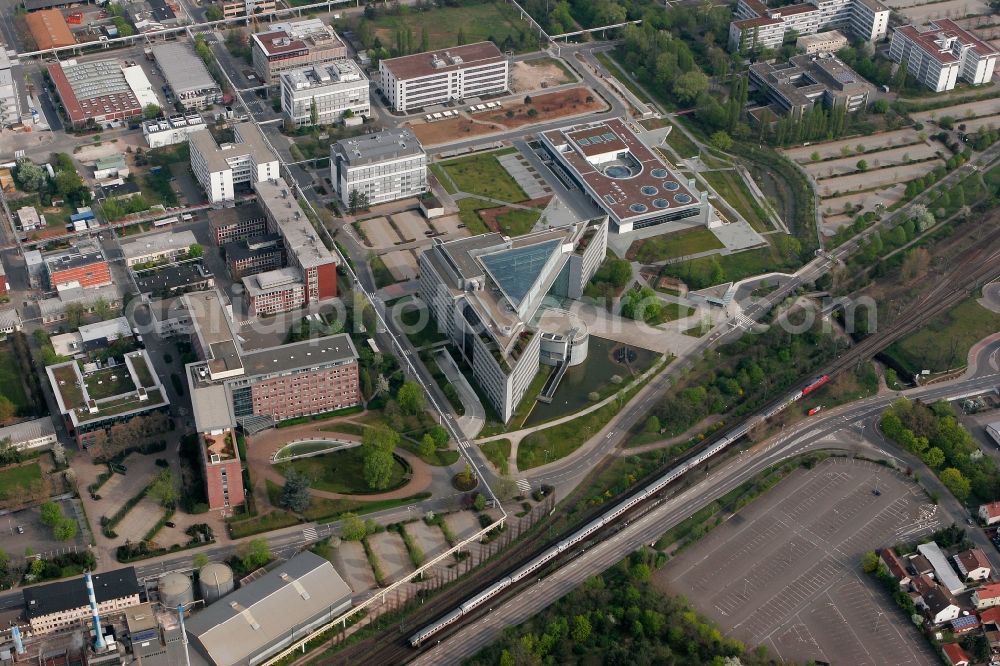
[[693, 431]]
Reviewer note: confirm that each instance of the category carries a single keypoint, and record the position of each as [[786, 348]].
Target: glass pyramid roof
[[518, 269]]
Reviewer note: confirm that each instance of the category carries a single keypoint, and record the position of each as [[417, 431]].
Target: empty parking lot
[[785, 571]]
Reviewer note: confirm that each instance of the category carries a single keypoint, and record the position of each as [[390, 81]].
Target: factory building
[[100, 91], [62, 605]]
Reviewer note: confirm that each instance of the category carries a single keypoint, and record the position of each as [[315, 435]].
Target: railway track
[[970, 269]]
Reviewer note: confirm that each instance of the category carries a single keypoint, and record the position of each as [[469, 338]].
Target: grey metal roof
[[182, 68], [254, 619], [28, 430], [308, 353], [161, 242], [378, 147]]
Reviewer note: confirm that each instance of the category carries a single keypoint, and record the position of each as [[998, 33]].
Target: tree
[[652, 424], [29, 176], [164, 489], [357, 201], [410, 398], [378, 444], [65, 529], [7, 409], [51, 514], [933, 457], [214, 13], [295, 494], [460, 38], [256, 554], [955, 482], [425, 44], [196, 251], [74, 315], [151, 111], [313, 112], [427, 446], [352, 528], [862, 165], [869, 562], [440, 435], [915, 264], [581, 628], [881, 106], [721, 140], [689, 85], [480, 502], [199, 560]]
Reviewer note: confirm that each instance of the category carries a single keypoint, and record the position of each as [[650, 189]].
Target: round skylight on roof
[[648, 190], [670, 186], [658, 173], [617, 171], [661, 203], [638, 208], [682, 198]]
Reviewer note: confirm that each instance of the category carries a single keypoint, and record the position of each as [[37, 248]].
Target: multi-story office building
[[610, 162], [223, 470], [383, 166], [81, 266], [331, 89], [230, 386], [234, 8], [758, 26], [189, 80], [163, 247], [237, 223], [254, 255], [222, 170], [807, 80], [485, 293], [830, 41], [63, 605], [286, 46], [423, 79], [938, 57]]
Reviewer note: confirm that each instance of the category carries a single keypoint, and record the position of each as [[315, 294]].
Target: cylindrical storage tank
[[216, 581], [176, 590]]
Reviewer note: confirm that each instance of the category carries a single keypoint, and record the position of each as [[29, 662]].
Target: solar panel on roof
[[609, 137], [596, 139], [584, 142]]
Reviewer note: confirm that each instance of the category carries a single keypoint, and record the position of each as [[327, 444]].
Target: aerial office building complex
[[221, 170], [383, 166], [486, 291], [187, 76], [807, 80], [759, 26], [295, 44], [423, 79], [942, 55], [322, 94]]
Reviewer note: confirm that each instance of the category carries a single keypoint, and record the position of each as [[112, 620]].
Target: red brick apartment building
[[223, 471]]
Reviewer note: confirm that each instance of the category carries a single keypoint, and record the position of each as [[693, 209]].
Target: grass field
[[484, 176], [517, 221], [443, 179], [470, 218], [21, 476], [383, 278], [701, 273], [478, 23], [11, 385], [410, 315], [731, 187], [341, 472], [679, 141], [108, 382], [498, 453], [674, 311], [944, 343], [612, 66], [677, 244]]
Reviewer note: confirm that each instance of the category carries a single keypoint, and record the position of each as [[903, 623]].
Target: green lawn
[[440, 457], [483, 175], [944, 343], [443, 179], [478, 22], [518, 221], [615, 69], [498, 453], [11, 386], [21, 476], [341, 472], [701, 273], [677, 244], [673, 311], [108, 382], [470, 218], [731, 187], [409, 315], [681, 144], [698, 331], [383, 278]]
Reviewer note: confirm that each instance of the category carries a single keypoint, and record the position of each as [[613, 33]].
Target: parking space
[[379, 233], [392, 555], [139, 520], [428, 537], [402, 264], [451, 226], [411, 225], [352, 564], [36, 536], [792, 564]]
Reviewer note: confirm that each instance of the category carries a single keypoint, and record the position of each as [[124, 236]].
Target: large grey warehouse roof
[[182, 69], [253, 619], [378, 147]]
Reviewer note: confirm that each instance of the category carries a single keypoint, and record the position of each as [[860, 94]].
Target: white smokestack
[[92, 598], [15, 633]]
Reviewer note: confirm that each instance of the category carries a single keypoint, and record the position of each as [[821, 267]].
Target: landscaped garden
[[343, 472]]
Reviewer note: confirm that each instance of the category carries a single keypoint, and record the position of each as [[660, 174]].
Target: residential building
[[164, 247], [943, 54], [166, 281], [91, 337], [265, 616], [822, 42], [96, 91], [485, 293], [383, 166], [758, 26], [112, 166], [973, 565], [895, 566], [53, 310], [222, 170], [49, 29], [611, 162], [55, 607], [227, 225], [436, 77], [327, 90], [81, 265], [986, 596], [258, 388], [189, 79], [955, 655], [171, 130], [990, 513], [940, 605], [255, 255], [806, 81], [943, 572], [29, 219], [963, 624], [93, 400], [233, 8], [294, 44], [34, 434]]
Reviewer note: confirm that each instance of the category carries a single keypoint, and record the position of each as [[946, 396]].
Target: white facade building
[[384, 166], [758, 26], [220, 169], [169, 131], [938, 57], [424, 79], [334, 88]]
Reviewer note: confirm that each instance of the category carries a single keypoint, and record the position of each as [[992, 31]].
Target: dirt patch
[[537, 74], [352, 564], [548, 106], [139, 520], [392, 555]]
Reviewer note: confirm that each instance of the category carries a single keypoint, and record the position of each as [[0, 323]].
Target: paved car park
[[792, 561], [36, 537]]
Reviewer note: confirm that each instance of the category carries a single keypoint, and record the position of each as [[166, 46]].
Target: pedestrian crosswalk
[[743, 321], [245, 322], [523, 485], [310, 534]]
